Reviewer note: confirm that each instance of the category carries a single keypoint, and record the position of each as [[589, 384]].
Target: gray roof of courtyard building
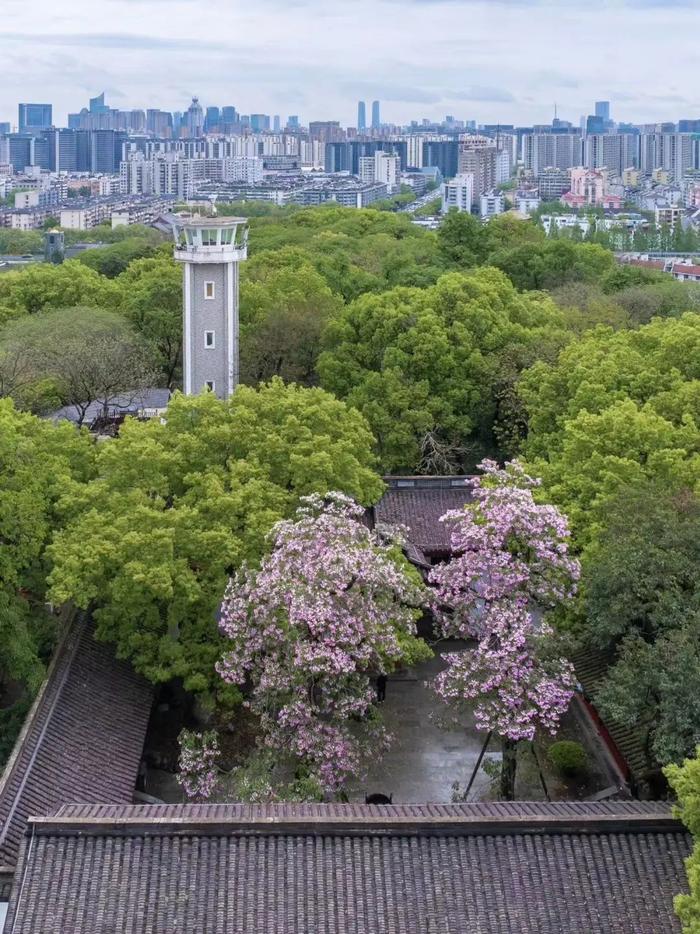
[[583, 868], [82, 740], [418, 503], [124, 403]]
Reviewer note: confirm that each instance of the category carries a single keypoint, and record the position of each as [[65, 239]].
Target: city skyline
[[436, 58]]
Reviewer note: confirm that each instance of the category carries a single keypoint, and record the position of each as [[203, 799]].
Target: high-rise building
[[551, 150], [602, 110], [194, 120], [458, 193], [361, 116], [443, 155], [595, 124], [34, 117], [613, 151], [229, 117], [276, 123], [293, 122], [259, 122], [97, 104], [159, 123], [106, 151], [20, 150], [212, 119], [210, 250], [481, 162], [376, 120]]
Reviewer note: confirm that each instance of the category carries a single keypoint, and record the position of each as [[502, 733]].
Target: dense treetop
[[175, 507]]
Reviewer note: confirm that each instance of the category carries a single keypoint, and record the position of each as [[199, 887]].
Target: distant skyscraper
[[4, 128], [194, 119], [376, 122], [34, 117], [229, 116], [212, 119], [276, 123], [293, 122], [602, 110], [97, 104], [259, 122], [361, 116]]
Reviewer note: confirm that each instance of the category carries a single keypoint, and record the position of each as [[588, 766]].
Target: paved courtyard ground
[[424, 759]]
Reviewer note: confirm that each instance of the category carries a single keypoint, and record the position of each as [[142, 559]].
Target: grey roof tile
[[497, 870]]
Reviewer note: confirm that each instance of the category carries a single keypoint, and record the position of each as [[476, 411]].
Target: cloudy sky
[[487, 60]]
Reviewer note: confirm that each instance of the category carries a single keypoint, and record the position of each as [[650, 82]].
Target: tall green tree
[[685, 781], [177, 506], [151, 299], [285, 305], [37, 462], [43, 286], [421, 363]]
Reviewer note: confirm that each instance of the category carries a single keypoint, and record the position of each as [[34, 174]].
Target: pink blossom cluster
[[197, 765], [322, 614], [510, 560]]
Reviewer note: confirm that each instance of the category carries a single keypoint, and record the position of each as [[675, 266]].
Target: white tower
[[210, 249]]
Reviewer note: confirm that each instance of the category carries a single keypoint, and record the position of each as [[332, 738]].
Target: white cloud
[[488, 60]]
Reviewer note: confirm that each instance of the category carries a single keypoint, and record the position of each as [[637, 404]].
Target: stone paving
[[425, 759]]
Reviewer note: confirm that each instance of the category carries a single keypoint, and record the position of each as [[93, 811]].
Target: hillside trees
[[685, 781], [151, 299]]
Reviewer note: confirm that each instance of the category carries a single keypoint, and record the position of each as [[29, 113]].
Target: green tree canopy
[[551, 263], [151, 299], [112, 260], [420, 362], [177, 506], [38, 461], [650, 366], [87, 355], [285, 304], [685, 781], [42, 286]]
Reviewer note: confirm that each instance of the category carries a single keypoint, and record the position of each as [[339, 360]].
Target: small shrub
[[568, 757]]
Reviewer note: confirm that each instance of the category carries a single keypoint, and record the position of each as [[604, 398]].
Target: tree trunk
[[508, 766]]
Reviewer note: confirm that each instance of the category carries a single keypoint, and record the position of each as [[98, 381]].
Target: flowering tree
[[510, 561], [199, 753], [329, 607]]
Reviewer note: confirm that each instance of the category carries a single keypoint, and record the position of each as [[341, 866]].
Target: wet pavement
[[425, 759]]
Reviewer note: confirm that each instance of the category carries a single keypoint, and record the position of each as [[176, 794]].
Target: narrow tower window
[[209, 340], [209, 290], [209, 384]]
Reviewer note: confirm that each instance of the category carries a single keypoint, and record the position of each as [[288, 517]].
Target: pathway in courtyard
[[424, 759]]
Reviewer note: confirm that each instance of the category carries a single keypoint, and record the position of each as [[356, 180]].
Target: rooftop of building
[[583, 868], [418, 503], [82, 739]]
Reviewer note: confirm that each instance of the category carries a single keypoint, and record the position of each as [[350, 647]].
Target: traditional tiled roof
[[419, 508], [352, 869], [82, 740]]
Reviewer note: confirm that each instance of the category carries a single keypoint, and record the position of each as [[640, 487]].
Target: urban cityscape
[[350, 467], [135, 163]]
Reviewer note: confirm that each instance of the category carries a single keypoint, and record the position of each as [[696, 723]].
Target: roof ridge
[[354, 819]]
